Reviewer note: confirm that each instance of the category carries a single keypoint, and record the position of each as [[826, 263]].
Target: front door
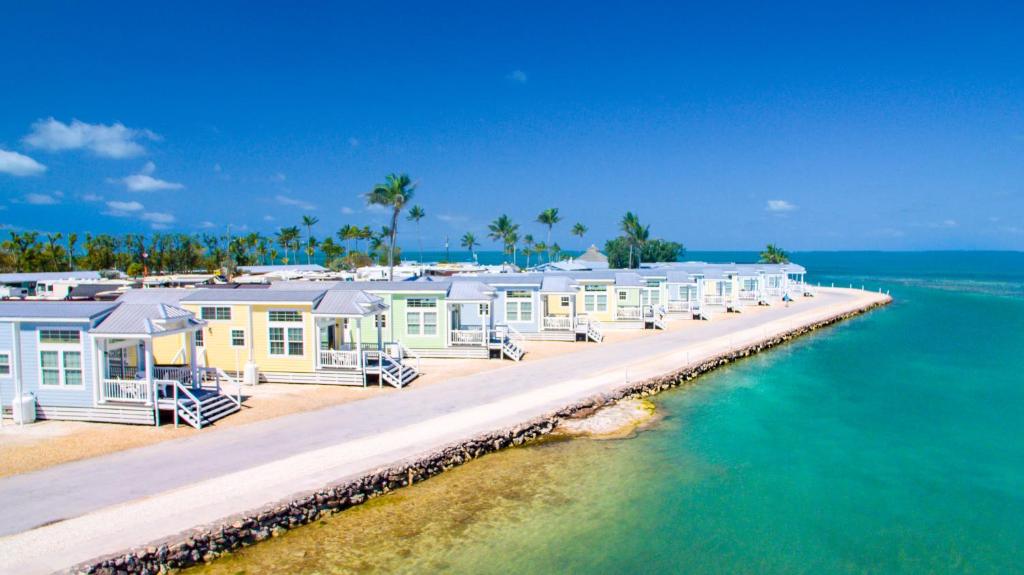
[[457, 317]]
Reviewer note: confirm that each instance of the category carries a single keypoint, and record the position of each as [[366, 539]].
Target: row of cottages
[[700, 290], [95, 361]]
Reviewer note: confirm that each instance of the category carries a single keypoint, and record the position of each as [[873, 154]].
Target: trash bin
[[24, 408], [251, 375]]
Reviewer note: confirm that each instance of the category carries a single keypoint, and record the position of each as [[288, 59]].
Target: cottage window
[[199, 338], [622, 295], [5, 363], [519, 310], [485, 309], [285, 339], [420, 322], [216, 313], [595, 302], [60, 368], [381, 321], [284, 315], [564, 301], [238, 338], [60, 336], [420, 302]]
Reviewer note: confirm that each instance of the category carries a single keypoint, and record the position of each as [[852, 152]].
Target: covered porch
[[468, 308], [127, 374]]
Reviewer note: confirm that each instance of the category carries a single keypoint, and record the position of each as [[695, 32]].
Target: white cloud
[[43, 199], [145, 182], [353, 142], [290, 201], [123, 209], [347, 210], [451, 219], [779, 206], [517, 77], [92, 198], [268, 218], [207, 224], [217, 168], [377, 208], [278, 177], [17, 164], [113, 141], [949, 224], [158, 217]]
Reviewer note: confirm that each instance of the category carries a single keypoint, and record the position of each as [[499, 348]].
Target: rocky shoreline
[[207, 543]]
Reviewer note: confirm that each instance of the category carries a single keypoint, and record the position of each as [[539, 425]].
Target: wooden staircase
[[210, 409], [509, 341], [396, 373]]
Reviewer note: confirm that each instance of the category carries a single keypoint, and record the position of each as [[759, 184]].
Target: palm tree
[[309, 222], [72, 240], [579, 230], [416, 214], [394, 193], [348, 233], [469, 242], [512, 241], [540, 248], [549, 218], [773, 254], [630, 222], [501, 230], [528, 245], [287, 238]]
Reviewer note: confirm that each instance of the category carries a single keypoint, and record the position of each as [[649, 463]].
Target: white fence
[[467, 336], [126, 391], [339, 358], [558, 322], [627, 313]]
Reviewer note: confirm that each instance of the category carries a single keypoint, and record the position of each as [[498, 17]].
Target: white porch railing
[[680, 305], [339, 358], [773, 292], [466, 336], [126, 391], [748, 295], [558, 322], [716, 299], [627, 313], [175, 373]]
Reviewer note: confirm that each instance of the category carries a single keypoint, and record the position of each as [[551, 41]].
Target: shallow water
[[888, 444]]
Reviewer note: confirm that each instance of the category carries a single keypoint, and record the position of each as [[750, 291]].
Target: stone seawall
[[207, 543]]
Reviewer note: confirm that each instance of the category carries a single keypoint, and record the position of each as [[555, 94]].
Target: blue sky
[[815, 126]]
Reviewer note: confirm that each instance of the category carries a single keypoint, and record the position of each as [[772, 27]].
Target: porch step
[[398, 375], [511, 350], [211, 408]]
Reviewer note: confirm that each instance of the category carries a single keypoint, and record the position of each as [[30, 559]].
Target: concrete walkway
[[61, 516]]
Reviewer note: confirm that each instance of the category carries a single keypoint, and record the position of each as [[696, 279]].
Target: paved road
[[107, 504]]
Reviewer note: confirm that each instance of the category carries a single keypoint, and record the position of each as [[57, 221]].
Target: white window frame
[[484, 309], [200, 338], [515, 301], [421, 323], [623, 295], [60, 349], [379, 320], [215, 308], [595, 302], [564, 301], [231, 337], [285, 327], [8, 364]]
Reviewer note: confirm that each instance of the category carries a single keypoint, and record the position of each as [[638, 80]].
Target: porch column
[[572, 312], [483, 324], [149, 366], [380, 341], [193, 352]]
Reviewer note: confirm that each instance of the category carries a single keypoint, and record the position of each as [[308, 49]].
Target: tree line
[[349, 247]]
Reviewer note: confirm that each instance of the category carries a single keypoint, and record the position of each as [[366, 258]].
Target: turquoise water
[[891, 443]]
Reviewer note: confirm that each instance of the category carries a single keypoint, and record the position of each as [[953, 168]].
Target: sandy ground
[[47, 443]]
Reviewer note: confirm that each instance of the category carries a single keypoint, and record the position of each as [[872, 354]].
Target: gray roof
[[155, 295], [679, 276], [48, 276], [54, 309], [558, 284], [470, 290], [283, 268], [254, 295], [312, 285], [629, 279], [351, 303], [145, 319]]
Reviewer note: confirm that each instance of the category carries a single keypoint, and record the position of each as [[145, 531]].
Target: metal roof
[[558, 284], [353, 303], [470, 290], [48, 276], [155, 295], [253, 295], [54, 309], [145, 319], [283, 268]]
